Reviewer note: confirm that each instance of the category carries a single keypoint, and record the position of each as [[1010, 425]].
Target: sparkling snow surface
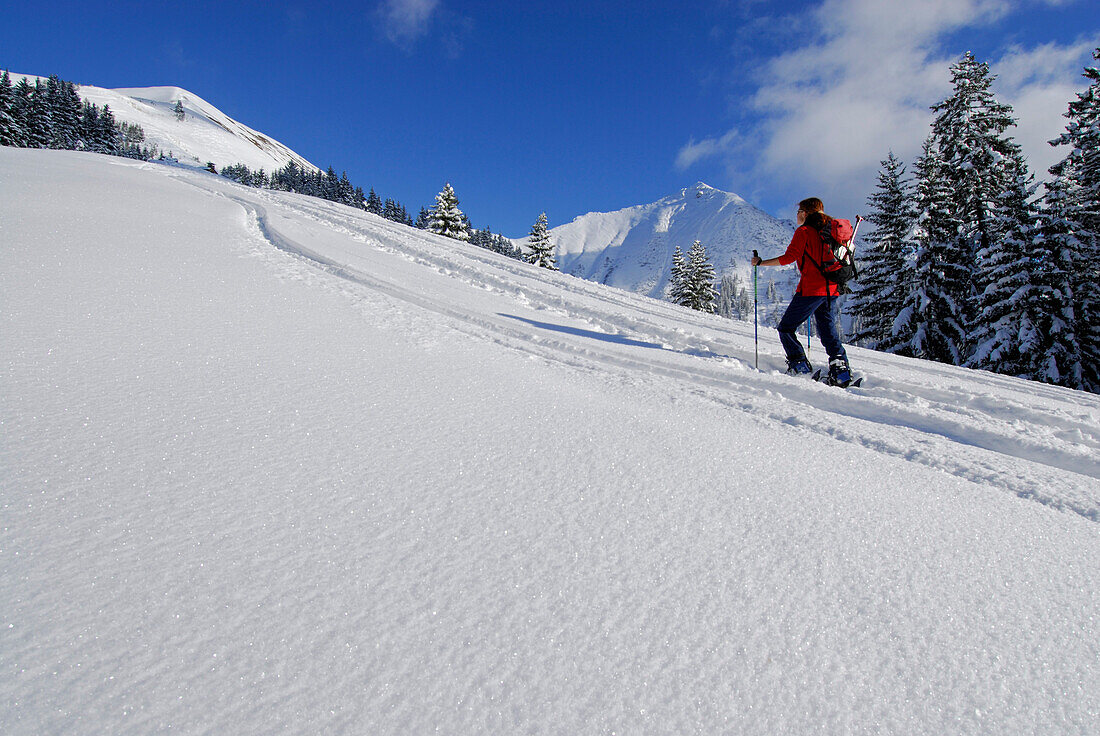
[[272, 465]]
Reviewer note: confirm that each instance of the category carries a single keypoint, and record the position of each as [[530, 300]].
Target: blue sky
[[568, 107]]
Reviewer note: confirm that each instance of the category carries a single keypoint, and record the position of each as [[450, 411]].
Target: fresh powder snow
[[273, 465]]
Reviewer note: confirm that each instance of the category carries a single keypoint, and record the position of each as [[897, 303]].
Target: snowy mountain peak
[[701, 189], [632, 248]]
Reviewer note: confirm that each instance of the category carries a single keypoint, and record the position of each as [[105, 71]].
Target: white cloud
[[706, 148], [405, 21], [1039, 83], [833, 108]]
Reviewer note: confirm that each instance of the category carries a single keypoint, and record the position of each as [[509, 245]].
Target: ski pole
[[755, 321]]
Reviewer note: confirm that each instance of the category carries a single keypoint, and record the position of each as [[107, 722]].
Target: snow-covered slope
[[205, 134], [273, 465], [632, 248]]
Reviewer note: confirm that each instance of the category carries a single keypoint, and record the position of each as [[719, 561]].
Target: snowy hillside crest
[[206, 134]]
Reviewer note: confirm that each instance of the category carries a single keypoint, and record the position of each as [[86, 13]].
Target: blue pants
[[798, 311]]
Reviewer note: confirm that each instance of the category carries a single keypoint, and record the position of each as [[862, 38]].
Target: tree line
[[51, 114], [444, 218], [970, 263]]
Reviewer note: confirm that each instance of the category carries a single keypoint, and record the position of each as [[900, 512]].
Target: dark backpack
[[838, 264]]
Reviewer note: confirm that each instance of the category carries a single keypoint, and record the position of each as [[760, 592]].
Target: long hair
[[817, 220]]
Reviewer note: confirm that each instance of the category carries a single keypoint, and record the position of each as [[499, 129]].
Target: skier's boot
[[840, 374], [799, 367]]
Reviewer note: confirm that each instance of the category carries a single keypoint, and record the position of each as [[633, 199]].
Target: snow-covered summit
[[632, 248], [205, 134]]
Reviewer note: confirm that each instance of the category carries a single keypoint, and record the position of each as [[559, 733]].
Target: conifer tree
[[1057, 249], [374, 203], [21, 113], [700, 281], [881, 287], [981, 164], [394, 211], [179, 111], [330, 188], [108, 138], [1006, 336], [88, 129], [930, 323], [1072, 208], [7, 119], [69, 107], [423, 219], [692, 281], [40, 122], [55, 114], [446, 218], [678, 280], [541, 249]]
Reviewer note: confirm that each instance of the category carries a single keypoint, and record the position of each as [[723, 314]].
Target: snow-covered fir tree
[[1073, 210], [1057, 248], [677, 282], [179, 111], [446, 218], [65, 107], [21, 113], [883, 262], [1006, 335], [346, 191], [930, 323], [692, 282], [7, 119], [374, 203], [701, 279], [109, 135], [40, 122], [540, 248], [981, 164]]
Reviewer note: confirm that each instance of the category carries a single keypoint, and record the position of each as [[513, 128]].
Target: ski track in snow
[[1005, 443]]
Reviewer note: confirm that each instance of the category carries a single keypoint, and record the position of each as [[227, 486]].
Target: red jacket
[[806, 244]]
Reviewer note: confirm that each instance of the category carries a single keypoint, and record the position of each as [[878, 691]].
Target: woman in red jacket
[[814, 295]]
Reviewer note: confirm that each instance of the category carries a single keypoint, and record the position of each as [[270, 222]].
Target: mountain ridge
[[206, 134], [632, 248]]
